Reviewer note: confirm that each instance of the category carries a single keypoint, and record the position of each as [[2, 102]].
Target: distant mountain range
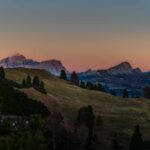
[[117, 78], [18, 60], [123, 68]]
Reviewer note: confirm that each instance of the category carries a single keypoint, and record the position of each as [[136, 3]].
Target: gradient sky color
[[81, 33]]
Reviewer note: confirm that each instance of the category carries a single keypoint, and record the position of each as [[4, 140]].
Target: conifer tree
[[42, 86], [125, 93], [63, 75], [86, 117], [90, 119], [82, 84], [28, 81], [36, 82], [74, 78], [2, 73], [136, 140]]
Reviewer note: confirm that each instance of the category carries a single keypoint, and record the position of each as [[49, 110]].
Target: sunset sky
[[82, 34]]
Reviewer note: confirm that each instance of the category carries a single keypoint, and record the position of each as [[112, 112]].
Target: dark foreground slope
[[20, 118]]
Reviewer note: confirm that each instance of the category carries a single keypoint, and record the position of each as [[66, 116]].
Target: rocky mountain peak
[[122, 68], [17, 56], [18, 60], [124, 65]]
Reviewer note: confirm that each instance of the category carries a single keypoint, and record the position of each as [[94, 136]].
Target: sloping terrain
[[118, 78], [119, 115]]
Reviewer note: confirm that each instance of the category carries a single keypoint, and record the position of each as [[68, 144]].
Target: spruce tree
[[63, 75], [42, 87], [125, 93], [136, 140], [82, 84], [2, 73], [36, 82], [28, 81], [90, 119], [86, 117], [75, 78]]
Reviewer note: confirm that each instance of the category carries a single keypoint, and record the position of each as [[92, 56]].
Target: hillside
[[118, 78], [119, 115]]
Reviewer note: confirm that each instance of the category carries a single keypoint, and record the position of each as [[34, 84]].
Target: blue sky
[[71, 13]]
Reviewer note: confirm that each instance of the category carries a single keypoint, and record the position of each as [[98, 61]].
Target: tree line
[[28, 82], [36, 83], [15, 102], [74, 79]]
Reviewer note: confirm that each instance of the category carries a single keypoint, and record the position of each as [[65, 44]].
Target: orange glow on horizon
[[82, 54]]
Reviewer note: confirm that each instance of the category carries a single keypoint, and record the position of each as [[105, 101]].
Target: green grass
[[119, 115]]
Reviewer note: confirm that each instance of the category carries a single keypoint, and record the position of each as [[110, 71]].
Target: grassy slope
[[120, 115]]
